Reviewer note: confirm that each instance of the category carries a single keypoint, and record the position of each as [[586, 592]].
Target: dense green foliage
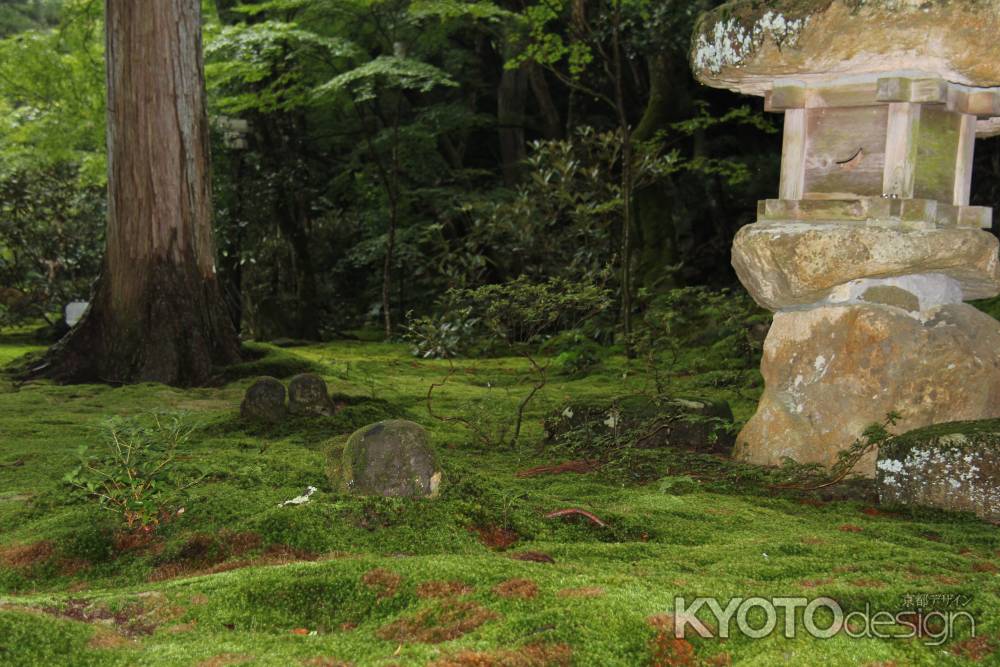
[[371, 154]]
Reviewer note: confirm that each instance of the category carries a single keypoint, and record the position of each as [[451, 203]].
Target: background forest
[[371, 155]]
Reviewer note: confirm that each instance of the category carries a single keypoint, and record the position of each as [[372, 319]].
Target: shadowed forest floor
[[476, 577]]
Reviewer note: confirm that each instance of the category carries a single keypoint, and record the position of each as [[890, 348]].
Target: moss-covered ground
[[478, 576]]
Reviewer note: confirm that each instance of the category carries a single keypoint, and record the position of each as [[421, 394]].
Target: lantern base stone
[[832, 370]]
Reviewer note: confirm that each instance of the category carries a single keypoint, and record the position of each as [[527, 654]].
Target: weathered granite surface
[[745, 45], [785, 264], [831, 371]]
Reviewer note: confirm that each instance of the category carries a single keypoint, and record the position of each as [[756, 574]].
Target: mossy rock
[[264, 401], [308, 395], [952, 466], [664, 421], [388, 458]]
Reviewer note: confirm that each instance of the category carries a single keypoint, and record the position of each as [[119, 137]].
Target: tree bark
[[551, 122], [655, 233], [157, 312], [512, 96], [627, 180]]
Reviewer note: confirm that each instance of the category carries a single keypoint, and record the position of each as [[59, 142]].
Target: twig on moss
[[572, 511]]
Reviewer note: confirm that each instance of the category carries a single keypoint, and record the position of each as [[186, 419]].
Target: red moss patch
[[132, 620], [984, 566], [517, 588], [146, 542], [26, 556], [496, 537], [974, 648], [276, 554], [533, 557], [443, 622], [815, 583], [850, 528], [202, 549], [440, 590], [532, 655], [669, 651], [383, 582]]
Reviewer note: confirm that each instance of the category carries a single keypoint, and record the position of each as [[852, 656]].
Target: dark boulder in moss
[[308, 395], [953, 466], [663, 421], [264, 401], [389, 458]]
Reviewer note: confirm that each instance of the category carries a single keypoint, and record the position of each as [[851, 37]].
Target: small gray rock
[[307, 395], [264, 401], [390, 458]]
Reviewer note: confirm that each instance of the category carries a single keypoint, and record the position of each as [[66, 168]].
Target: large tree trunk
[[157, 313]]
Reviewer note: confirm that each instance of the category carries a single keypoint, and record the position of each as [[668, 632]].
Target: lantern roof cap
[[749, 45]]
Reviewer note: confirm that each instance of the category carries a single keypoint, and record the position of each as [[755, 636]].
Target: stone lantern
[[871, 246]]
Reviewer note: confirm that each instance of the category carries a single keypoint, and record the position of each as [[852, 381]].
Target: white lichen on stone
[[731, 42], [943, 474]]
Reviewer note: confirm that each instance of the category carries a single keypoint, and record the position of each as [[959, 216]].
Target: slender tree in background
[[157, 313], [590, 41]]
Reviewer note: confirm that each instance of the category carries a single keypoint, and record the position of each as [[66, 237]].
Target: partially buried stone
[[264, 401], [691, 422], [390, 458], [949, 466], [307, 395]]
